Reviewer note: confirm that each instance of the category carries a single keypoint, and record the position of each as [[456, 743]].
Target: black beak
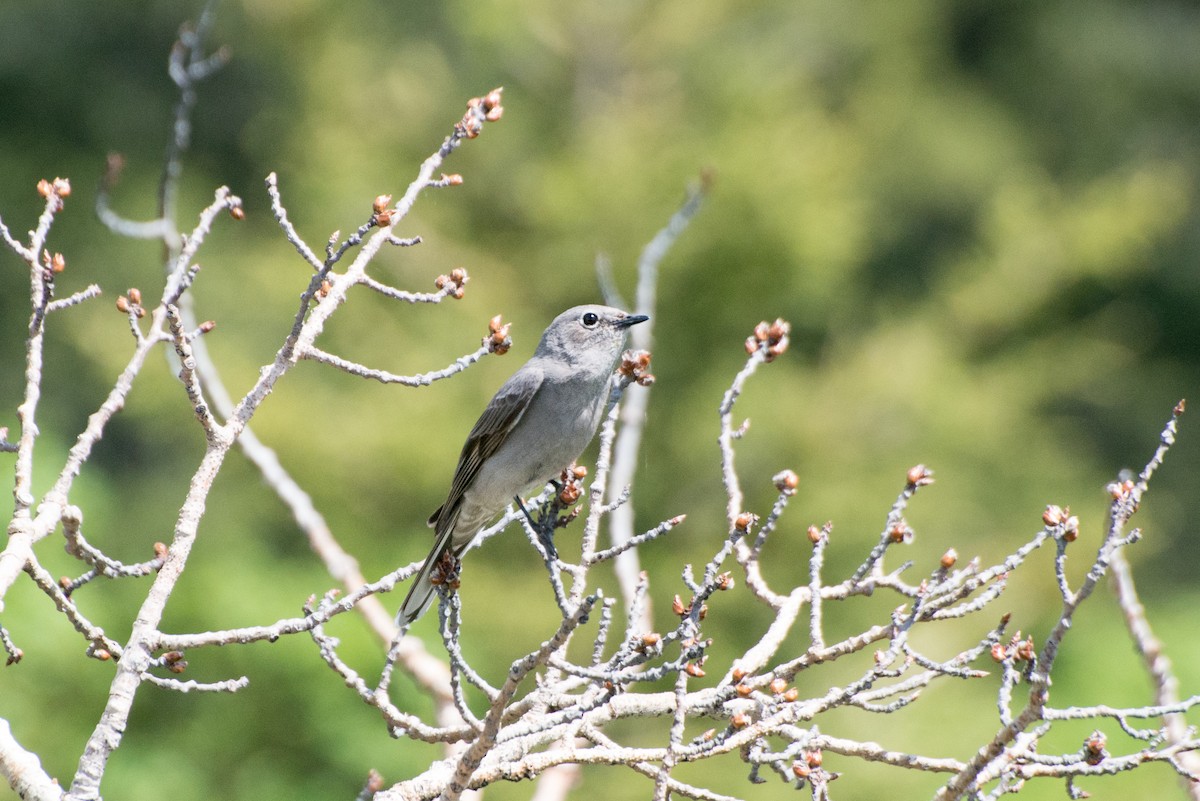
[[632, 319]]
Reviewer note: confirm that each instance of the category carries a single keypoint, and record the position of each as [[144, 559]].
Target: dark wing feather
[[492, 429]]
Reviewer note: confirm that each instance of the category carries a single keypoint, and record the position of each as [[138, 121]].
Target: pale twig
[[24, 770], [91, 291], [474, 754], [229, 686], [633, 411], [315, 354], [289, 231]]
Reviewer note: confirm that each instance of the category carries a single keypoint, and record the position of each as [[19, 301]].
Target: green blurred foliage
[[980, 220]]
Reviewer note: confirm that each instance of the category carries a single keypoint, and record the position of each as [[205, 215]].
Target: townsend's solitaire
[[533, 429]]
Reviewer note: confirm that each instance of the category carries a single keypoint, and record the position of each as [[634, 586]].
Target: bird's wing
[[491, 430]]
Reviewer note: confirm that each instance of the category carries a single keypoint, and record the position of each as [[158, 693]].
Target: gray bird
[[537, 424]]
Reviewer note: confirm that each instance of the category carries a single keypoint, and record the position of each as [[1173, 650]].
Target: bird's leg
[[544, 530]]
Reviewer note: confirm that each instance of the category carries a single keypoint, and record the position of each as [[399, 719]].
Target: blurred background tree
[[981, 220]]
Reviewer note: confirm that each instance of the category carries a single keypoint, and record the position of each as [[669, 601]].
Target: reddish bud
[[1071, 528], [384, 218], [786, 482], [744, 521], [1025, 650], [160, 550], [135, 294], [381, 203], [677, 606], [737, 674], [814, 534], [237, 213], [949, 558], [122, 304], [743, 690], [650, 640], [778, 685], [694, 670], [740, 720], [791, 694], [919, 476]]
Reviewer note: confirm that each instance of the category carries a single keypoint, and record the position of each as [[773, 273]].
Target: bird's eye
[[590, 319]]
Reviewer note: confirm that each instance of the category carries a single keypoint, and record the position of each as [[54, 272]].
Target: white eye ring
[[589, 319]]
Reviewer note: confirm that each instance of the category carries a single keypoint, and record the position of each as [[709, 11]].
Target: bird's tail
[[422, 592]]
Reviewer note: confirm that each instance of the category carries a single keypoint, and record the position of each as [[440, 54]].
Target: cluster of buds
[[786, 482], [174, 661], [809, 769], [446, 571], [1119, 490], [781, 690], [772, 338], [572, 484], [454, 283], [381, 214], [53, 264], [678, 607], [497, 341], [901, 532], [1095, 748], [131, 303], [57, 189], [635, 367], [919, 476], [1061, 519], [1017, 649], [480, 110]]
